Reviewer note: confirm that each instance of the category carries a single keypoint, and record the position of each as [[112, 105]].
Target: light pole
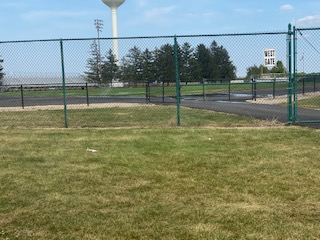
[[99, 25]]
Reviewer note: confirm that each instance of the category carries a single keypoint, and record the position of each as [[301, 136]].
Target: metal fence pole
[[87, 94], [295, 100], [274, 88], [176, 60], [147, 92], [64, 86], [229, 90], [289, 39], [163, 91], [22, 97], [203, 90]]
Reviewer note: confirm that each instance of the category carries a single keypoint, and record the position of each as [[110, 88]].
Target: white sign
[[269, 57]]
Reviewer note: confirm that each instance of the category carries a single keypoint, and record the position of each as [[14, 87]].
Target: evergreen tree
[[186, 62], [132, 65], [147, 65], [109, 68], [165, 63], [94, 65], [205, 62], [223, 67]]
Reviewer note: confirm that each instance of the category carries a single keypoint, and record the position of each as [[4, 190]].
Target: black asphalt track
[[241, 107]]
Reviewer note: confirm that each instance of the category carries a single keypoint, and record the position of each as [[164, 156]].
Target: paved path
[[259, 111]]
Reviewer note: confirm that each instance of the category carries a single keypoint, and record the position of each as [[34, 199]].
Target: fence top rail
[[149, 37], [308, 74], [308, 29]]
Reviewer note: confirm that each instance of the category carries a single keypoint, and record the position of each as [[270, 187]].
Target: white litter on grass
[[91, 150]]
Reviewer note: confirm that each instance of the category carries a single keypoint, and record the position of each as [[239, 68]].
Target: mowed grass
[[144, 116], [155, 91], [160, 183], [310, 103]]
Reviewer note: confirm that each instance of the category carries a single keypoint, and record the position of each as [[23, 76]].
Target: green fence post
[[87, 94], [64, 86], [203, 90], [176, 60], [289, 39], [22, 97], [295, 99]]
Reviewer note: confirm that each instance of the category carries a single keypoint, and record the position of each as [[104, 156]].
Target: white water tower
[[114, 4]]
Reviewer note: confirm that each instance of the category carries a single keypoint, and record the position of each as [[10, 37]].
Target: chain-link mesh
[[228, 74], [307, 74], [85, 83], [31, 81], [135, 82]]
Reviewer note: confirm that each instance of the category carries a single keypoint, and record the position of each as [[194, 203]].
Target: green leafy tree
[[255, 71], [279, 68], [94, 64]]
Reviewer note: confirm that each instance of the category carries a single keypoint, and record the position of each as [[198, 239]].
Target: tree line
[[254, 71], [201, 63]]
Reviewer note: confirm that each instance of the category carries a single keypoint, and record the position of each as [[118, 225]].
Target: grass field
[[143, 116], [160, 183], [155, 91], [310, 103]]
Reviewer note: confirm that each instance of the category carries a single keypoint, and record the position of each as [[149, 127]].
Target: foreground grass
[[160, 184]]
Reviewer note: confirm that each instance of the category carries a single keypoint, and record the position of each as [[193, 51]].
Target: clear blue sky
[[46, 19]]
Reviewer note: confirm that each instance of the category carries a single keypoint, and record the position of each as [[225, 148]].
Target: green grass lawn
[[155, 91], [142, 117], [311, 103], [160, 183]]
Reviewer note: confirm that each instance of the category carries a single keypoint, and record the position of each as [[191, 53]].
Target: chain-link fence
[[306, 80], [155, 81]]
